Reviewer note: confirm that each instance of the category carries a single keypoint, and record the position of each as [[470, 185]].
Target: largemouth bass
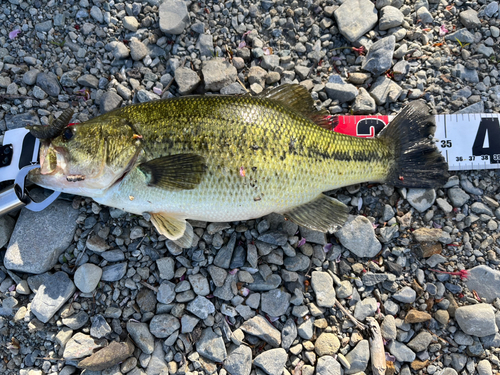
[[232, 158]]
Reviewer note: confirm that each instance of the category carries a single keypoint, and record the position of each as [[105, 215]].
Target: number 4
[[491, 126]]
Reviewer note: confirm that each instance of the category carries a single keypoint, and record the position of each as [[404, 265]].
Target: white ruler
[[467, 141]]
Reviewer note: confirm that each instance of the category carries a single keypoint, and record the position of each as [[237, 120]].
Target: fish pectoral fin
[[322, 214], [175, 172], [297, 98], [175, 229]]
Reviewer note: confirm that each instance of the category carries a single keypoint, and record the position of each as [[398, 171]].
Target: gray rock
[[187, 80], [481, 208], [420, 342], [424, 15], [35, 246], [30, 76], [79, 346], [138, 50], [69, 79], [379, 56], [76, 321], [355, 18], [100, 327], [43, 27], [490, 10], [358, 357], [6, 228], [272, 361], [256, 74], [144, 96], [364, 104], [338, 89], [261, 285], [484, 366], [469, 75], [470, 19], [206, 45], [188, 323], [198, 27], [388, 328], [174, 17], [476, 320], [157, 363], [201, 307], [140, 334], [485, 281], [458, 361], [199, 283], [274, 237], [166, 292], [166, 267], [300, 262], [88, 80], [109, 100], [114, 272], [358, 236], [365, 308], [421, 199], [401, 351], [405, 295], [260, 327], [224, 255], [384, 89], [130, 23], [48, 82], [322, 284], [87, 276], [458, 197], [96, 14], [288, 334], [211, 346], [51, 295], [270, 62], [163, 325], [327, 365], [21, 120], [228, 290], [218, 73], [390, 17], [275, 302], [120, 51], [239, 360]]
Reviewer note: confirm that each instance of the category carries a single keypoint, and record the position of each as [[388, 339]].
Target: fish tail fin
[[418, 162]]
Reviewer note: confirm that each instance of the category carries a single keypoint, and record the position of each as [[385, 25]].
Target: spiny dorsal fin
[[297, 98], [175, 229], [321, 214], [175, 172]]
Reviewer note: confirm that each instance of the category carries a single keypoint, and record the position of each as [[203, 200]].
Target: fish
[[219, 158]]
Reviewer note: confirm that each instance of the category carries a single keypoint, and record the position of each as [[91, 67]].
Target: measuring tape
[[467, 141]]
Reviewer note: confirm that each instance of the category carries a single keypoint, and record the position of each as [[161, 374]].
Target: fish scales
[[231, 158], [261, 157]]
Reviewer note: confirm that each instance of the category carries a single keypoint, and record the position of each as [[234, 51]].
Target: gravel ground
[[86, 288]]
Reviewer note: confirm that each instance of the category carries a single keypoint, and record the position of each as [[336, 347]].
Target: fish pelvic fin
[[297, 98], [418, 163], [322, 214], [175, 229], [175, 172]]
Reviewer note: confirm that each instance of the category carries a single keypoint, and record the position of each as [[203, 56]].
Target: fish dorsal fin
[[175, 229], [174, 172], [297, 98], [323, 213]]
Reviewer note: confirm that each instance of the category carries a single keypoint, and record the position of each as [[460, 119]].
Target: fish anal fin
[[322, 214], [175, 172], [175, 229], [297, 98]]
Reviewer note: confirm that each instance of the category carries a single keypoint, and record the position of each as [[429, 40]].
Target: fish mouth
[[52, 159]]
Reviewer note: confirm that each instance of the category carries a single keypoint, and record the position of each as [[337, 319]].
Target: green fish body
[[230, 158]]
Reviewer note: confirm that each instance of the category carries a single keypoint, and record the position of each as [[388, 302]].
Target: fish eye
[[67, 134]]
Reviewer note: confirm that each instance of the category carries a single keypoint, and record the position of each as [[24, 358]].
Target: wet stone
[[421, 199]]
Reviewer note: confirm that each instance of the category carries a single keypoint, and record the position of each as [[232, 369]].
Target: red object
[[360, 126]]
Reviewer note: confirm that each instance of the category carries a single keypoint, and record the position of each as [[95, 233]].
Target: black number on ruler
[[446, 143], [369, 126], [491, 126]]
